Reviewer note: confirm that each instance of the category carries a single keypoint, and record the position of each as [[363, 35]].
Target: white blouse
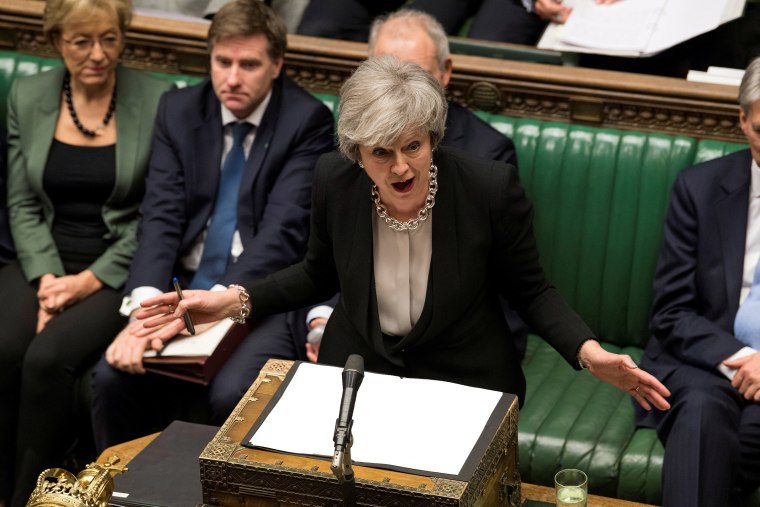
[[401, 266]]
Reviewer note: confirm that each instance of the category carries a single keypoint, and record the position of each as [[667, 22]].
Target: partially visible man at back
[[228, 197], [417, 37]]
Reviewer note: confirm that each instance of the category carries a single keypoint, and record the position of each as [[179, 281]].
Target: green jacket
[[33, 105]]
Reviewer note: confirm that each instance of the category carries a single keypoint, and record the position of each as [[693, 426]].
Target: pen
[[188, 320]]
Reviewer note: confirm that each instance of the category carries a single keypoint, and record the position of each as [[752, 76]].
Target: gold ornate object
[[93, 486]]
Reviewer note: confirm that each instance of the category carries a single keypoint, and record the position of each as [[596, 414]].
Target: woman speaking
[[420, 241]]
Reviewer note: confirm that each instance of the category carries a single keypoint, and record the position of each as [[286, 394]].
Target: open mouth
[[403, 186]]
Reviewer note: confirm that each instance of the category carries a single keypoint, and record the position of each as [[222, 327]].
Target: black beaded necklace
[[70, 104]]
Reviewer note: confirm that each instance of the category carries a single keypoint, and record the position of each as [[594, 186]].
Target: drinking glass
[[570, 486]]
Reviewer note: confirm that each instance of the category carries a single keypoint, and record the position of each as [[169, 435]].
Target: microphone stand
[[341, 467], [352, 375]]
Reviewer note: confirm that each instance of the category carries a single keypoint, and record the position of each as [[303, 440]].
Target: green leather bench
[[600, 197]]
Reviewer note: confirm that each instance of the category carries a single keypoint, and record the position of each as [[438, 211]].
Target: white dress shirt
[[401, 262]]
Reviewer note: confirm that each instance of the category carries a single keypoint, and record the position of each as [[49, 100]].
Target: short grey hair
[[385, 98], [749, 90], [415, 19]]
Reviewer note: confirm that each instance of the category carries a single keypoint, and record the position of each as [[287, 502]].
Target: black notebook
[[166, 473]]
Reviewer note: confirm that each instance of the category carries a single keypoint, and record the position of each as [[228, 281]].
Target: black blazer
[[483, 246], [467, 132], [274, 200]]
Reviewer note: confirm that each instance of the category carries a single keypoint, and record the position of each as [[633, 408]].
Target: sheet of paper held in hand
[[203, 343], [636, 27], [400, 421]]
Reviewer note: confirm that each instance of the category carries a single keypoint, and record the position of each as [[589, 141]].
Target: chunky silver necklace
[[422, 214]]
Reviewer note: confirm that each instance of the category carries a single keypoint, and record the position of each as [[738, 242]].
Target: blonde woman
[[78, 144]]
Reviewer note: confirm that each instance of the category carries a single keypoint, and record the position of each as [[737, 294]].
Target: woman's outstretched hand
[[622, 372], [203, 305]]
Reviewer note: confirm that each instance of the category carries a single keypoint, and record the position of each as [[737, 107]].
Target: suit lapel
[[454, 132], [444, 275], [128, 114], [263, 139], [731, 216], [207, 137], [360, 273], [43, 127]]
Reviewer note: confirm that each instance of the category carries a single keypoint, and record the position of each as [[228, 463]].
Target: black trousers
[[39, 374], [127, 406], [351, 19], [712, 440]]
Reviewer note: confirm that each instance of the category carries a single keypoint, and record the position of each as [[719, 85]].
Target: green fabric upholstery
[[600, 197]]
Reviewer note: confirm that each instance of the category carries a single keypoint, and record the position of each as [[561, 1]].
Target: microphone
[[353, 374]]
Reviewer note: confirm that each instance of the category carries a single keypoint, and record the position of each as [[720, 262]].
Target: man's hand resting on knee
[[127, 349]]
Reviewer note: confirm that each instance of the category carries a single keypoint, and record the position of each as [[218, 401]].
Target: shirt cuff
[[321, 311], [132, 302], [730, 372]]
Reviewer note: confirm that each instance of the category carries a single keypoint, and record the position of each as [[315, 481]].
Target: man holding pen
[[228, 192]]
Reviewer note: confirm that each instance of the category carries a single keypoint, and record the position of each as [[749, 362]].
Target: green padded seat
[[641, 468], [600, 197], [13, 65]]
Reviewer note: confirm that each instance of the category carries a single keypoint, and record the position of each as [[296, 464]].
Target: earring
[[360, 164]]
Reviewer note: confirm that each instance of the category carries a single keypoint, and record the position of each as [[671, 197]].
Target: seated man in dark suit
[[210, 227], [706, 323], [417, 37]]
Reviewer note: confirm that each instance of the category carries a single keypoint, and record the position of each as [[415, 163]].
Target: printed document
[[424, 425]]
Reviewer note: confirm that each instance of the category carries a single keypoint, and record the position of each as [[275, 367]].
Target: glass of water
[[571, 486]]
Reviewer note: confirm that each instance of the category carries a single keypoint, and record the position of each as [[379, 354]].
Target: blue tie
[[747, 323], [218, 244]]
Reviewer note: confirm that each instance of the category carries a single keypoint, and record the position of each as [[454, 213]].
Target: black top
[[78, 180]]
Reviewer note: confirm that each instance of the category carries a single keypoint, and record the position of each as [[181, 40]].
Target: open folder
[[418, 426], [197, 358]]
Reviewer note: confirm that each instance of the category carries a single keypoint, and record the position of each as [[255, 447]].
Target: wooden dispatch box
[[233, 475]]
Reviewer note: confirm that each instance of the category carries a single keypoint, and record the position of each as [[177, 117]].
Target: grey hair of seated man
[[411, 19], [385, 98], [749, 90]]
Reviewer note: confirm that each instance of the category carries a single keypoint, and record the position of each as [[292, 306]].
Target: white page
[[203, 343], [734, 9], [402, 422], [626, 25], [682, 20]]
